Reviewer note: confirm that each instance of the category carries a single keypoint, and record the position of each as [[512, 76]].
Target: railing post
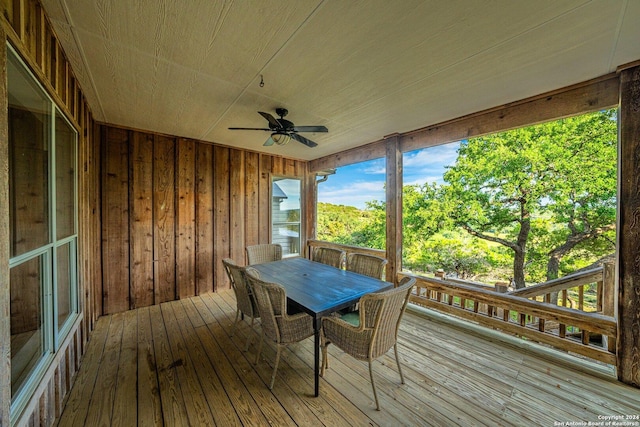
[[393, 208], [608, 300]]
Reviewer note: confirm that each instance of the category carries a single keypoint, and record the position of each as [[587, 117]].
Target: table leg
[[316, 355]]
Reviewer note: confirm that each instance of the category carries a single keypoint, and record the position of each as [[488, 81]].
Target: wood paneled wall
[[25, 26], [172, 209]]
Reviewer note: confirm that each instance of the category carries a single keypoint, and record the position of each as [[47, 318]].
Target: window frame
[[53, 335], [299, 223]]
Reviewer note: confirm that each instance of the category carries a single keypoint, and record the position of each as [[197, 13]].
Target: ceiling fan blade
[[302, 139], [275, 124], [249, 129], [310, 129], [269, 142]]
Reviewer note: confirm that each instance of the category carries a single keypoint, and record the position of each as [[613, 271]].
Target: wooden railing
[[347, 248], [588, 333], [549, 324], [571, 291]]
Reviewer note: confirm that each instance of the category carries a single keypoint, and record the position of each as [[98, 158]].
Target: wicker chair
[[329, 256], [368, 265], [246, 305], [277, 325], [376, 330], [259, 254]]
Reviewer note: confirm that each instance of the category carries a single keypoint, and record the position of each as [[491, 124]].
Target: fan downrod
[[282, 112]]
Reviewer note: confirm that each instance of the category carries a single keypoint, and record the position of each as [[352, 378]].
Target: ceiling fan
[[282, 131]]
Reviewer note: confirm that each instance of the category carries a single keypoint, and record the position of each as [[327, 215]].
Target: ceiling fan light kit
[[280, 138], [283, 131]]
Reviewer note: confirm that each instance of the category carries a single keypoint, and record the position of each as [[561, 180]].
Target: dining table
[[318, 290]]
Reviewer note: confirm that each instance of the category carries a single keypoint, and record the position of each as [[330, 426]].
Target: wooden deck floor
[[176, 364]]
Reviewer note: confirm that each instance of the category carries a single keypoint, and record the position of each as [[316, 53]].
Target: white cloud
[[441, 155], [421, 180], [353, 194]]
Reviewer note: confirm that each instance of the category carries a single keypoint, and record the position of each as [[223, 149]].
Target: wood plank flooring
[[179, 364]]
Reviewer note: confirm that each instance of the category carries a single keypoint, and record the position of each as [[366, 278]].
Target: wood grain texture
[[164, 235], [628, 346], [115, 220], [251, 201], [5, 332], [185, 218], [191, 204], [394, 209], [30, 34], [125, 408], [204, 218], [149, 407], [221, 196], [141, 221], [454, 375], [588, 96], [173, 407], [237, 204], [264, 199]]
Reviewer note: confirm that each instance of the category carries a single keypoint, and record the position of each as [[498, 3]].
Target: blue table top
[[319, 289]]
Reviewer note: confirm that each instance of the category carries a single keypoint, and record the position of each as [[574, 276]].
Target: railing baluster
[[599, 296], [581, 297], [585, 337]]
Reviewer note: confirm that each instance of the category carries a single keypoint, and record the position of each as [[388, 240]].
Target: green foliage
[[457, 252], [532, 203], [351, 226], [544, 191]]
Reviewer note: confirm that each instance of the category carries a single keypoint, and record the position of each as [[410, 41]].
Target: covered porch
[[156, 205], [178, 364]]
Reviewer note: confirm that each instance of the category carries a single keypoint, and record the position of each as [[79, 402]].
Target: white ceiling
[[364, 69]]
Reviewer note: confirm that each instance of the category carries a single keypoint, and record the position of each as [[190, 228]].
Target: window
[[352, 205], [285, 215], [43, 228]]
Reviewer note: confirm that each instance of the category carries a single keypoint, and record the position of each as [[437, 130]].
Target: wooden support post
[[609, 292], [628, 348], [5, 333], [394, 208], [310, 208]]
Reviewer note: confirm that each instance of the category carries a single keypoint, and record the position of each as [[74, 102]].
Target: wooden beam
[[580, 98], [5, 333], [629, 228], [587, 96], [393, 208], [374, 150]]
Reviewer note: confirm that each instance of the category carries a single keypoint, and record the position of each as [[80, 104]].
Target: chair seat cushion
[[353, 317]]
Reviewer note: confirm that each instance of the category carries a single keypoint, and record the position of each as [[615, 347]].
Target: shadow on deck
[[176, 364]]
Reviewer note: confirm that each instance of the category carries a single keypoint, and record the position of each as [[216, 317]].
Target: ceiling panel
[[364, 69]]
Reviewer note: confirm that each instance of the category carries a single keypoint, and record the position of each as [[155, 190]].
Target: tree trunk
[[553, 266], [520, 252], [518, 269]]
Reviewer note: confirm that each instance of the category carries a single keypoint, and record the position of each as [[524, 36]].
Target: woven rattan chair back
[[333, 257], [382, 313], [369, 265], [377, 331], [277, 325], [271, 299], [259, 254], [245, 302]]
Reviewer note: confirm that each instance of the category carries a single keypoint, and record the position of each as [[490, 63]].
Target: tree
[[584, 198], [560, 170]]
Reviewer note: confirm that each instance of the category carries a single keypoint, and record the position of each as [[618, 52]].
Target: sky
[[356, 184]]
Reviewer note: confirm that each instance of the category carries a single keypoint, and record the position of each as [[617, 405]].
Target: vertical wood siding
[[27, 29], [172, 209]]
